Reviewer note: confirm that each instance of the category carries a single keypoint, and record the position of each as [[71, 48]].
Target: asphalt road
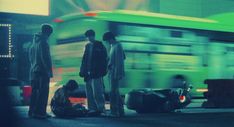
[[189, 117]]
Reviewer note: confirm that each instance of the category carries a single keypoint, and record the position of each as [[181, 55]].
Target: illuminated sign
[[34, 7], [5, 41]]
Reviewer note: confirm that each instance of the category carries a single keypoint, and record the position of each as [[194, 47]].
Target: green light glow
[[157, 19], [166, 16], [224, 18], [157, 47]]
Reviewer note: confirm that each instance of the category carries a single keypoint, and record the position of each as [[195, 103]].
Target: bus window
[[177, 34]]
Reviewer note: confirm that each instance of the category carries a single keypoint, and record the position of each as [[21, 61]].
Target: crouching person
[[61, 105]]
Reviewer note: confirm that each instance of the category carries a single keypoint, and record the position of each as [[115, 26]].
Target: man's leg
[[45, 93], [121, 105], [116, 102], [43, 96], [114, 99], [99, 97], [89, 94], [33, 98]]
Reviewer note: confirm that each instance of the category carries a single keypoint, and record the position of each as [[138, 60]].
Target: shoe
[[93, 113], [103, 114], [37, 116], [122, 113], [117, 114], [113, 115], [48, 115], [30, 115]]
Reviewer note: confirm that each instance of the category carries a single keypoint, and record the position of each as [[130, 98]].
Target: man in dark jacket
[[40, 72], [93, 68]]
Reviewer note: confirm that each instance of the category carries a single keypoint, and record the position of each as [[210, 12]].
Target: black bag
[[134, 99], [149, 101]]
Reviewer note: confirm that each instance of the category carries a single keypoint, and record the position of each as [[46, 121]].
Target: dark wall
[[23, 43]]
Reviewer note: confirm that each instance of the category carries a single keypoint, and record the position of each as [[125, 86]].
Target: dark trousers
[[116, 102], [39, 97]]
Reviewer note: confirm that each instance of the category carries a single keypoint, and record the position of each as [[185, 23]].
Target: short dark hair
[[46, 28], [71, 85], [108, 36], [89, 33]]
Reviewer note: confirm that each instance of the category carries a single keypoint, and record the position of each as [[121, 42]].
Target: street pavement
[[192, 116]]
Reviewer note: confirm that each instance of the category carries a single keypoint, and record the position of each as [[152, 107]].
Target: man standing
[[93, 68], [116, 73], [40, 72]]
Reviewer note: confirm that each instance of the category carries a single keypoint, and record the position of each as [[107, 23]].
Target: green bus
[[161, 50]]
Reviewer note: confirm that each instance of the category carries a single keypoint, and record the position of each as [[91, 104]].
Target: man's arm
[[83, 63], [119, 62], [46, 58]]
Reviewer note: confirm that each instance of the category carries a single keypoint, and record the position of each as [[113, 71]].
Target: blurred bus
[[162, 50]]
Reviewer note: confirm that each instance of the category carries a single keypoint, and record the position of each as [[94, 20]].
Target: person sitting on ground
[[61, 105]]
